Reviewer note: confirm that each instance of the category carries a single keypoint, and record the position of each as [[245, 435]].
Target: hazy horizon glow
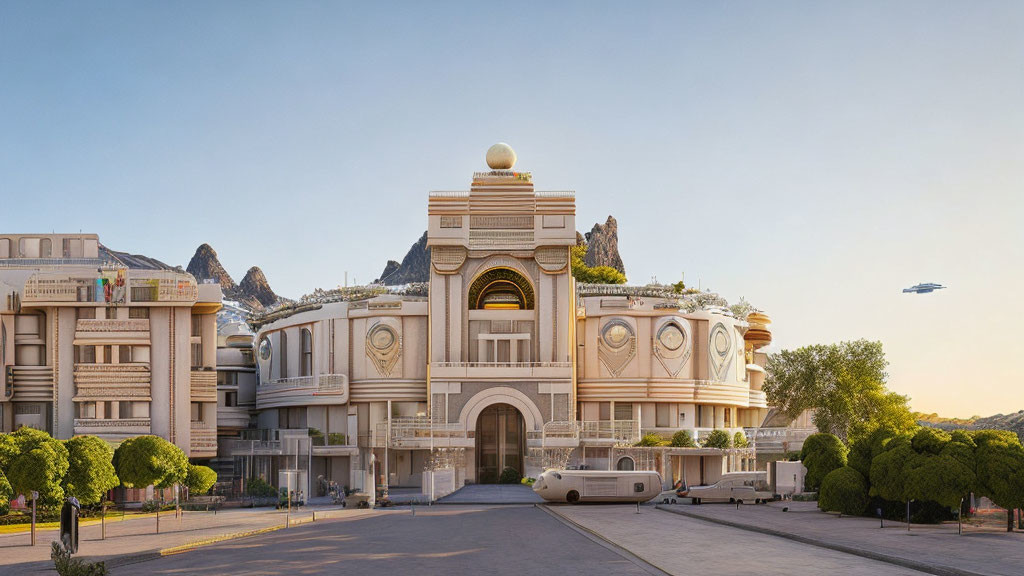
[[812, 158]]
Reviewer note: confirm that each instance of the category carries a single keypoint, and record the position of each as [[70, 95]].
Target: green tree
[[844, 490], [682, 439], [34, 461], [5, 494], [821, 454], [942, 471], [91, 470], [863, 449], [843, 383], [592, 275], [145, 460], [200, 479], [999, 461], [718, 438]]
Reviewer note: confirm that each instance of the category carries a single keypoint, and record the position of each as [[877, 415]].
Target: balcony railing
[[619, 431], [778, 440], [129, 426], [203, 385], [30, 382], [325, 383], [416, 431], [502, 364]]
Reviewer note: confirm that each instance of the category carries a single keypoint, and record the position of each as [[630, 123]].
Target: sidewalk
[[937, 549], [137, 537], [679, 545]]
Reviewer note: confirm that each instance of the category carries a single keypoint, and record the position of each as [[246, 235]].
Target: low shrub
[[68, 566], [651, 439], [844, 490], [717, 439], [682, 439], [739, 440], [821, 454], [509, 476], [260, 488]]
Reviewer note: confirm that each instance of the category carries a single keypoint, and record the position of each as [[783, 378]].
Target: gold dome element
[[758, 335], [501, 156]]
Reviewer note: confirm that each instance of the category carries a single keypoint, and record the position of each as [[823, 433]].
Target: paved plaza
[[517, 539], [512, 540]]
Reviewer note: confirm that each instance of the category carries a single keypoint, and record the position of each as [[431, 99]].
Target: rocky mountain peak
[[255, 286], [205, 265], [254, 291], [603, 246], [415, 267]]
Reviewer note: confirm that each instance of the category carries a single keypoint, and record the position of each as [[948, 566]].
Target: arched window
[[625, 463], [44, 248], [283, 354], [307, 353], [501, 289]]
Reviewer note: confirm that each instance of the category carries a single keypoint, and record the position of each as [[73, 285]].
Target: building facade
[[501, 362], [105, 343]]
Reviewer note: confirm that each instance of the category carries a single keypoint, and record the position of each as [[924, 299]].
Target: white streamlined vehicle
[[574, 486], [750, 487]]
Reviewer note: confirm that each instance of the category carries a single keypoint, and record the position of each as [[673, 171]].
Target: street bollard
[[34, 496], [637, 507]]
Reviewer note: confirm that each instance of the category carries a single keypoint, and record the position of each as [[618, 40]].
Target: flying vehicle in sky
[[925, 288]]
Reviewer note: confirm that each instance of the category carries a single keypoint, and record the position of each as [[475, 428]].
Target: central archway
[[500, 442]]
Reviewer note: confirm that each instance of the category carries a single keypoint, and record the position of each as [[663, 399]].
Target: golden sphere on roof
[[501, 156]]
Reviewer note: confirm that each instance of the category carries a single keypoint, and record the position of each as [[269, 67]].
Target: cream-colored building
[[105, 343], [502, 361]]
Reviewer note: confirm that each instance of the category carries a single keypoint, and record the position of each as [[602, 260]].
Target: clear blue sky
[[814, 157]]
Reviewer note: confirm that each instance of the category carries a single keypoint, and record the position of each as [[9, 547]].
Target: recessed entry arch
[[501, 288]]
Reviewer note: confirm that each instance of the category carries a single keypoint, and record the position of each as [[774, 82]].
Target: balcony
[[275, 442], [203, 439], [114, 427], [30, 383], [232, 417], [112, 382], [610, 431], [420, 433], [334, 444], [321, 389], [500, 370], [204, 385]]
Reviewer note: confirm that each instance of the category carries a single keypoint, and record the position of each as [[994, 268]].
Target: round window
[[617, 333], [671, 336], [382, 337]]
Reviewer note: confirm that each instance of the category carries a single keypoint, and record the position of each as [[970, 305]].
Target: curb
[[602, 541], [938, 570]]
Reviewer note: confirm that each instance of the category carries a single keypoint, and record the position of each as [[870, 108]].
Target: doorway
[[500, 442]]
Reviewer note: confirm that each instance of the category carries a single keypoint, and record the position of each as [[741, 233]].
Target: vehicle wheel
[[732, 500], [572, 497], [673, 500]]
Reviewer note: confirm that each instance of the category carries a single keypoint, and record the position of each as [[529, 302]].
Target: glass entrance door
[[500, 441]]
